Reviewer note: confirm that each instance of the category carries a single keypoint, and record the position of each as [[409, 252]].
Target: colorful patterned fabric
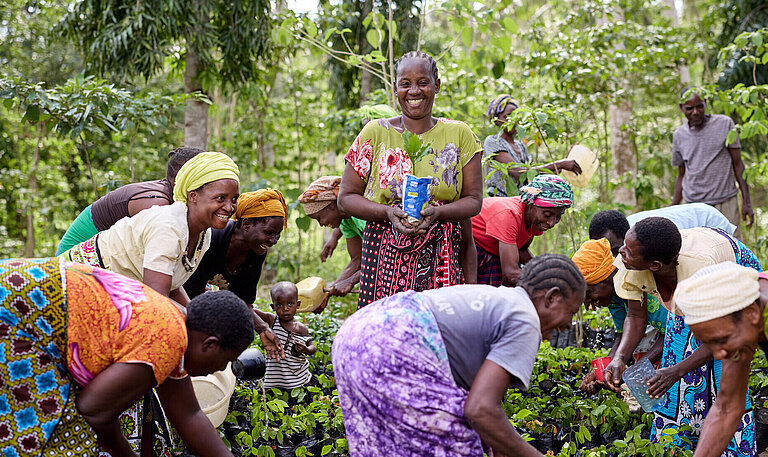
[[548, 191], [37, 410], [396, 389], [378, 157], [498, 105], [322, 192], [393, 262], [488, 267], [689, 400], [86, 253], [657, 314], [115, 319]]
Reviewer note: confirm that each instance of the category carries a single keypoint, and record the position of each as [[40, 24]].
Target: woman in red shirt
[[505, 227]]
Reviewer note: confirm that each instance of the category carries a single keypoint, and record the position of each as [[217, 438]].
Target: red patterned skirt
[[393, 262]]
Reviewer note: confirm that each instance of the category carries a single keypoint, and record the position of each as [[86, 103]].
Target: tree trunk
[[29, 249], [621, 148], [196, 113], [674, 14]]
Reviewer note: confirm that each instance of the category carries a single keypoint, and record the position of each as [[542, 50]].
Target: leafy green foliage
[[414, 147], [135, 38]]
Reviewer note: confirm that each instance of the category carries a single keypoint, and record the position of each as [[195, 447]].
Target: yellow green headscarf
[[200, 170]]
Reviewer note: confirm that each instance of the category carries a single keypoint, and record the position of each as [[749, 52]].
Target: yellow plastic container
[[213, 393], [588, 162], [311, 293]]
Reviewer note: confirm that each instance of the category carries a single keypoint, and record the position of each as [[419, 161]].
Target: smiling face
[[262, 233], [694, 110], [542, 219], [415, 88], [213, 204], [330, 216], [733, 336]]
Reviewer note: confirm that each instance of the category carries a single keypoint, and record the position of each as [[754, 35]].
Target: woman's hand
[[590, 384], [613, 373], [399, 220], [341, 288], [660, 383], [271, 345], [568, 164], [429, 215], [328, 249]]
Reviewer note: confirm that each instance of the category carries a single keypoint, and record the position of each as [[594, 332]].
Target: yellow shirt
[[701, 247], [155, 239]]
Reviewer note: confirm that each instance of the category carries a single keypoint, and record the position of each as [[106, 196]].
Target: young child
[[293, 370]]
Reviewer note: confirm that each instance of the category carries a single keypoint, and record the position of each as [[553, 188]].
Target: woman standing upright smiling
[[433, 252]]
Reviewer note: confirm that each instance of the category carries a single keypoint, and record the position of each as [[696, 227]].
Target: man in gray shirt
[[707, 165]]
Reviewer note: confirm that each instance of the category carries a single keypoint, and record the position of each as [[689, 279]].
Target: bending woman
[[725, 307], [93, 343], [126, 201], [319, 202], [162, 246], [595, 262], [428, 370], [654, 258], [505, 227], [504, 148], [237, 252], [397, 255]]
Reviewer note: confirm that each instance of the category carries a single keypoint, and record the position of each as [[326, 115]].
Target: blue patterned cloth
[[688, 401]]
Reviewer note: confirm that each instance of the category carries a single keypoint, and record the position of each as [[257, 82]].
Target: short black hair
[[224, 315], [612, 220], [419, 55], [282, 286], [552, 270], [177, 158], [659, 239]]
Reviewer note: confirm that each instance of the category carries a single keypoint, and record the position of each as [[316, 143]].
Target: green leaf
[[373, 37], [732, 135], [8, 103], [509, 24], [33, 113], [326, 449], [303, 223], [414, 148], [757, 38], [466, 36], [311, 28]]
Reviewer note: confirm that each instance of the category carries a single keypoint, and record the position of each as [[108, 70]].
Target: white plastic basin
[[213, 393]]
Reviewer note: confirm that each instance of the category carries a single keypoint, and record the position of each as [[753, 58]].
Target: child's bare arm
[[306, 348]]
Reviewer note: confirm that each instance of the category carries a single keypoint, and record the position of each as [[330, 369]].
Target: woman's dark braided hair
[[552, 270], [418, 55]]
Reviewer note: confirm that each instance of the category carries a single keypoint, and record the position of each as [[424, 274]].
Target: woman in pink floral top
[[434, 252]]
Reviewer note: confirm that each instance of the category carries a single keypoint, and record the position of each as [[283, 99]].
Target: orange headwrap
[[595, 260], [261, 203]]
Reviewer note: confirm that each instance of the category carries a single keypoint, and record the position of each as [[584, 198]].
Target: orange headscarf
[[261, 203], [594, 260]]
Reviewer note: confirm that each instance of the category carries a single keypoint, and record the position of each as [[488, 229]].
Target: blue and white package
[[415, 196]]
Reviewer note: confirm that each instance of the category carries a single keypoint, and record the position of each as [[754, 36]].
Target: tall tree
[[218, 41]]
